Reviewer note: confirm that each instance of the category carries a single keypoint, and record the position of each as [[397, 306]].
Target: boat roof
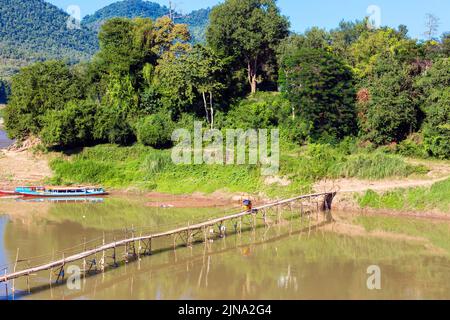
[[63, 188]]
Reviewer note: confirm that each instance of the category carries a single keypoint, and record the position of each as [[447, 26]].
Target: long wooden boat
[[7, 193], [43, 192]]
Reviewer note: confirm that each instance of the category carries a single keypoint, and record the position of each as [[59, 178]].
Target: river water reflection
[[286, 261]]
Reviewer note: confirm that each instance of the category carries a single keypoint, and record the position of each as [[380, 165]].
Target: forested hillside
[[35, 30], [197, 21]]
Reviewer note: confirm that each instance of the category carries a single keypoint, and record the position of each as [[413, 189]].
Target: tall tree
[[207, 69], [127, 45], [198, 72], [434, 86], [372, 45], [432, 23], [249, 31], [35, 90], [388, 110], [321, 87]]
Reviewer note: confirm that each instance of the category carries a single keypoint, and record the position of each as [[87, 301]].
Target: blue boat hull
[[41, 192], [62, 195]]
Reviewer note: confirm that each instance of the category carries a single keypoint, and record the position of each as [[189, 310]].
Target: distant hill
[[34, 30], [196, 20]]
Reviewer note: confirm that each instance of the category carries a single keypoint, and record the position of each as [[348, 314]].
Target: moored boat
[[60, 192], [7, 193]]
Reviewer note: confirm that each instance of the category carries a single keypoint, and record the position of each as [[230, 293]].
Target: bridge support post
[[328, 201]]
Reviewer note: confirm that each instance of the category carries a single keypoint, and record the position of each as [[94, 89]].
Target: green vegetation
[[254, 28], [375, 166], [152, 169], [377, 85], [437, 233], [419, 199], [322, 91]]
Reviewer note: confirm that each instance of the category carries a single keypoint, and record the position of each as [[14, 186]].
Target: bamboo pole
[[6, 286], [13, 288], [102, 262]]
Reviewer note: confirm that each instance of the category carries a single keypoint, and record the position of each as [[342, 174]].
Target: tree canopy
[[248, 31], [321, 88]]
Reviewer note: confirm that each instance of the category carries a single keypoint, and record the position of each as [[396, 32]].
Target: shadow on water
[[165, 266]]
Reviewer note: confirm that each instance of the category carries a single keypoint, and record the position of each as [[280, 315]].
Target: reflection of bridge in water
[[135, 247]]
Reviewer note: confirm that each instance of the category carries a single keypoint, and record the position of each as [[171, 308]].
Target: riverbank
[[315, 168]]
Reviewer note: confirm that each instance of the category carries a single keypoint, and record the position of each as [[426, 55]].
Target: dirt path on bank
[[348, 188], [439, 171]]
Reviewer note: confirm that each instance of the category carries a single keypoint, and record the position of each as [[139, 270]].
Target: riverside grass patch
[[437, 197], [146, 168]]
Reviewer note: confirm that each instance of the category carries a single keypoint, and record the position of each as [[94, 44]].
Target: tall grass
[[374, 166], [417, 199]]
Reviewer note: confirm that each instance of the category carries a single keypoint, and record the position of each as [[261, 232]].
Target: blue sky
[[327, 14]]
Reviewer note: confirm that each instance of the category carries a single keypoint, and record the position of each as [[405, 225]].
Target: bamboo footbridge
[[214, 228]]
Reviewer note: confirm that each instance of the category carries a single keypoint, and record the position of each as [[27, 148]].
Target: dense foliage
[[321, 90], [249, 31], [375, 85]]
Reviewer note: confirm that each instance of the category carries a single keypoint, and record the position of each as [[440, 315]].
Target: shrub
[[260, 111], [155, 130], [413, 146], [70, 126]]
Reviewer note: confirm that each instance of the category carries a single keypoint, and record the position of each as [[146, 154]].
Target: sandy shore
[[22, 168]]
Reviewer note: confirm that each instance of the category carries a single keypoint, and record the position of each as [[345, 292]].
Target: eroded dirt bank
[[22, 168]]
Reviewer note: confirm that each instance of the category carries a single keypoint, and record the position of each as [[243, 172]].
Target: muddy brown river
[[292, 260]]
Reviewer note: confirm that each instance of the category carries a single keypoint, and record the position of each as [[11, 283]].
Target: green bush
[[413, 146], [437, 140], [155, 130], [260, 111], [70, 126]]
